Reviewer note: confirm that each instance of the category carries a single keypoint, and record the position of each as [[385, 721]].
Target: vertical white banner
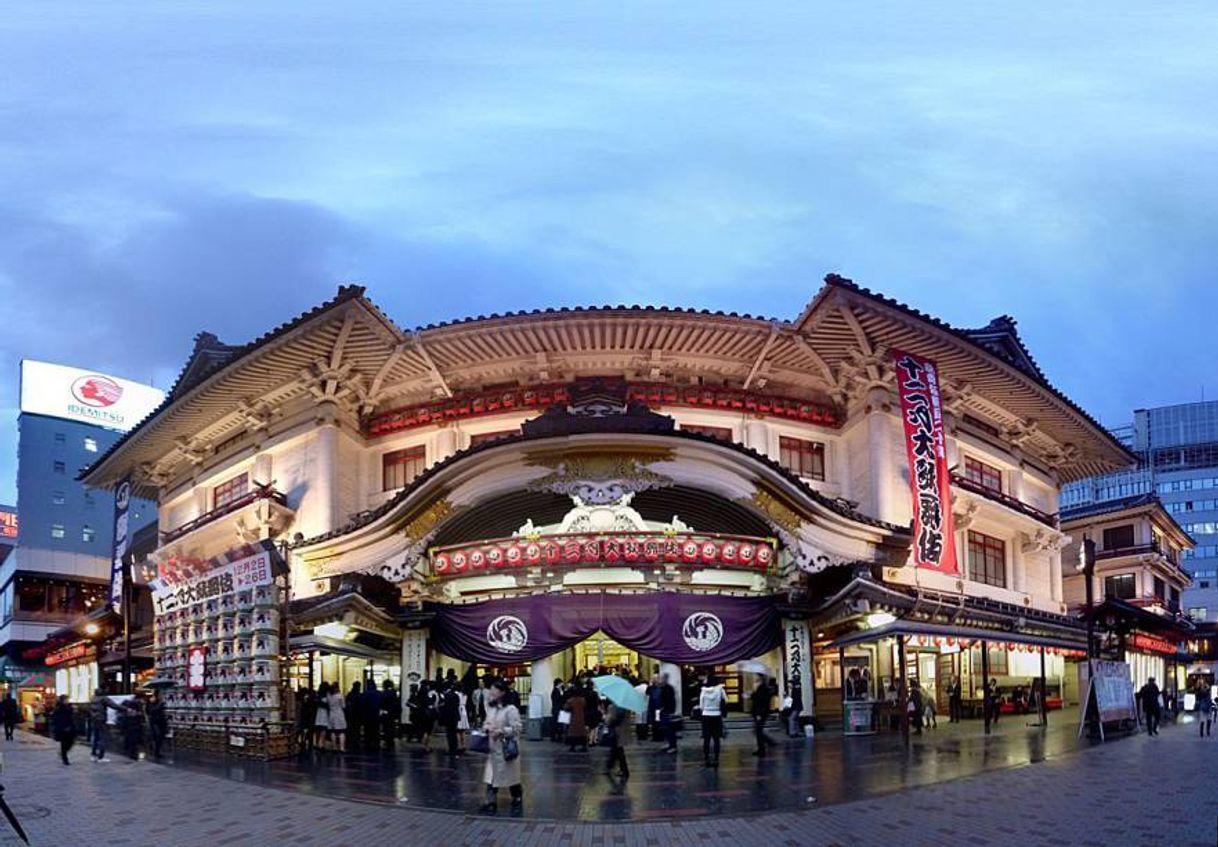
[[797, 652]]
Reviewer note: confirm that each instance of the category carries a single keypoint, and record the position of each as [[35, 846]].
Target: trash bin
[[534, 729]]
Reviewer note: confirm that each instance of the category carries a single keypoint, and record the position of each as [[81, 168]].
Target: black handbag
[[511, 749], [479, 742]]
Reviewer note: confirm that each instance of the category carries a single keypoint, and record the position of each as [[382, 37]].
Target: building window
[[1118, 537], [978, 472], [806, 458], [90, 500], [1122, 586], [60, 438], [1173, 599], [57, 530], [231, 491], [91, 445], [1160, 588], [483, 437], [400, 467], [987, 559], [87, 534], [1197, 613], [57, 498], [59, 467], [723, 433]]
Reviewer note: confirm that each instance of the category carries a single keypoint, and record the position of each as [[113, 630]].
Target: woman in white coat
[[338, 718], [502, 723]]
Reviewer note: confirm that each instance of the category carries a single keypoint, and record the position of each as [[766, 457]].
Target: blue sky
[[172, 167]]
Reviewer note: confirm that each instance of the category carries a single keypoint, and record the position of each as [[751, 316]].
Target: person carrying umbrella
[[624, 698]]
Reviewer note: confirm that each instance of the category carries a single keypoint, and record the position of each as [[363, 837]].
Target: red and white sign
[[934, 536], [624, 549], [196, 667], [1151, 644], [86, 396]]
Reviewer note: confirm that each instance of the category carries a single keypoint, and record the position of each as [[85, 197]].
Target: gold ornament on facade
[[426, 522], [775, 510]]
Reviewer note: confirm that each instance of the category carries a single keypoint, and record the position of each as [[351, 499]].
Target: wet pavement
[[561, 785]]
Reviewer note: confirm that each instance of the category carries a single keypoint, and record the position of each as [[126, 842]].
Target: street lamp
[[1086, 566]]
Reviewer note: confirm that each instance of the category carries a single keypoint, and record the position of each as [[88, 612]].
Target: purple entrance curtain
[[691, 629]]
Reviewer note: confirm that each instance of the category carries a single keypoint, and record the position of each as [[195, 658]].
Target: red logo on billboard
[[97, 391]]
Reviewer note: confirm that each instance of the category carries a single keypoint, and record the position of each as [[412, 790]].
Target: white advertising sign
[[85, 396], [249, 572]]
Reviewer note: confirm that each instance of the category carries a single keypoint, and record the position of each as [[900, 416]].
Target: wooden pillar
[[1040, 701], [985, 684], [903, 690], [312, 684]]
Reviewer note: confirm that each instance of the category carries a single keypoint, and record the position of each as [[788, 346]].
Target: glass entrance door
[[600, 652]]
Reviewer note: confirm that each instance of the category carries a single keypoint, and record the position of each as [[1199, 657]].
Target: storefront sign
[[236, 576], [799, 659], [1151, 644], [85, 396], [80, 650], [607, 549], [196, 667], [684, 628], [934, 544], [122, 503], [1112, 687]]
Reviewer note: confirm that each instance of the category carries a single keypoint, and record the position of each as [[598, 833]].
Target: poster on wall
[[934, 539]]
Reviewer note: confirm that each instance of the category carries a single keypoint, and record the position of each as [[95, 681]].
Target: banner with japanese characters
[[934, 538], [239, 575]]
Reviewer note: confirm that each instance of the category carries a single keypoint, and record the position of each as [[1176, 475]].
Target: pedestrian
[[133, 728], [577, 729], [429, 711], [306, 717], [369, 708], [593, 717], [450, 707], [668, 714], [391, 714], [158, 724], [502, 727], [9, 714], [1148, 696], [955, 702], [618, 735], [557, 696], [336, 717], [930, 713], [760, 706], [797, 708], [414, 706], [995, 701], [352, 711], [63, 726], [321, 718], [654, 694], [712, 701], [463, 724], [1205, 708]]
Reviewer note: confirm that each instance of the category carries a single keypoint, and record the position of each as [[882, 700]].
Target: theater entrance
[[600, 651]]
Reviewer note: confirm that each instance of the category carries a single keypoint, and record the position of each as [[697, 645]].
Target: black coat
[[668, 698]]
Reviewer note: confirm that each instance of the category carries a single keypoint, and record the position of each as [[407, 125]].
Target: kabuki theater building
[[662, 489]]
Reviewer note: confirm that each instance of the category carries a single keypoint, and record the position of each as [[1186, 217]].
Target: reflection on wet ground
[[574, 786]]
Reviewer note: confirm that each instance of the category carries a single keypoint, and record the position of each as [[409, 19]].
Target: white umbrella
[[753, 666]]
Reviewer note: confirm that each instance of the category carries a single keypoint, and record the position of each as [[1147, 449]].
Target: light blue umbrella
[[621, 693]]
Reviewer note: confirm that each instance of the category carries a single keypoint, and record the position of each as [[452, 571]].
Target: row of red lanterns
[[628, 550]]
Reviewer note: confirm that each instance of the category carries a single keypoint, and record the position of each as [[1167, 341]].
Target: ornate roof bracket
[[437, 377]]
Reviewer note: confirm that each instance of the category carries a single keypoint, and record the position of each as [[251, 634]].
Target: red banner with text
[[934, 536]]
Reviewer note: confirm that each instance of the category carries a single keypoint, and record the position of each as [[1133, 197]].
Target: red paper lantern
[[477, 560], [710, 552], [689, 552], [532, 553], [514, 555], [747, 554], [765, 555], [495, 557], [460, 561], [727, 553], [441, 563]]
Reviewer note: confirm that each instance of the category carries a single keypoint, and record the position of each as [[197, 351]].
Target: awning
[[309, 643], [900, 627]]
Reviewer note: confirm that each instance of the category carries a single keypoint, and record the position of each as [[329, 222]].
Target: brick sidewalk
[[1097, 797]]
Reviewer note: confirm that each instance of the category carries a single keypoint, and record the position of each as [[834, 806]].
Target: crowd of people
[[139, 722]]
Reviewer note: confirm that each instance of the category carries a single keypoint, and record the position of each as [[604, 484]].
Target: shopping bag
[[479, 742], [564, 717]]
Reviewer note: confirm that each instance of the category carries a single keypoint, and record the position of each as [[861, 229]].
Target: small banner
[[122, 505], [934, 542]]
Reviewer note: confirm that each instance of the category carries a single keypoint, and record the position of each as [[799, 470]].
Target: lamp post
[[1086, 564]]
